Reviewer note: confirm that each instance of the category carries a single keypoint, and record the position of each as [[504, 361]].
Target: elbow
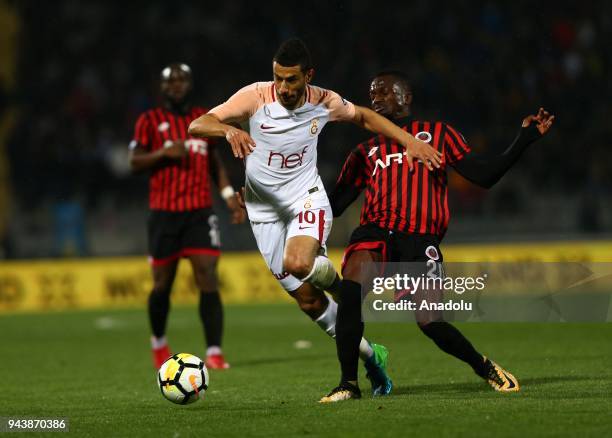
[[135, 163], [341, 197], [133, 166], [132, 163], [197, 128], [487, 183], [194, 129], [200, 127], [333, 204], [337, 210], [479, 178]]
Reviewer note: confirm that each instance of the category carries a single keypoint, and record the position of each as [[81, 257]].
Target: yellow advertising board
[[244, 277], [575, 251], [125, 282]]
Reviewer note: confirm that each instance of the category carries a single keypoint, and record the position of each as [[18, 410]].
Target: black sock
[[349, 329], [335, 286], [451, 341], [159, 306], [211, 314]]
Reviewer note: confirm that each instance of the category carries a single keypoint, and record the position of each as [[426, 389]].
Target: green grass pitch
[[94, 367]]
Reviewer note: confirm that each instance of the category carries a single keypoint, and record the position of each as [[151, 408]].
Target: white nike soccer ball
[[183, 378]]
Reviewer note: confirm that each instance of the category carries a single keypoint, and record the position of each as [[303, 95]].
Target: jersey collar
[[276, 111], [404, 121]]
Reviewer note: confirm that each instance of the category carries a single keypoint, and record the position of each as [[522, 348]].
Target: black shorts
[[393, 245], [179, 234]]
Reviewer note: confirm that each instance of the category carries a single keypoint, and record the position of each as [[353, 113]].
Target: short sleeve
[[455, 145], [142, 134], [240, 106], [339, 109]]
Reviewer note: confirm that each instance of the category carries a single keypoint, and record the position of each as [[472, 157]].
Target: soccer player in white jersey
[[285, 199]]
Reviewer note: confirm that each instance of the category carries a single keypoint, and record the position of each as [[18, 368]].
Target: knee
[[313, 306], [206, 278], [354, 268], [351, 271], [297, 265], [162, 282], [430, 328], [161, 289], [159, 297], [423, 326]]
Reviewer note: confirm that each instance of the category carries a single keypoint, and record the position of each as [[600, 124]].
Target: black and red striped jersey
[[395, 198], [183, 185]]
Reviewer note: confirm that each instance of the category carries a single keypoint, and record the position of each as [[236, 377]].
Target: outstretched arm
[[415, 149], [487, 169]]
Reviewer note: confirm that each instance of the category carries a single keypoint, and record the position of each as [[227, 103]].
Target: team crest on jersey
[[432, 252], [314, 126], [424, 136], [163, 126]]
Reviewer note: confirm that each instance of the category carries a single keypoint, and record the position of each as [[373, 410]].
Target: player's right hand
[[242, 144], [543, 121], [417, 149], [176, 151], [237, 212]]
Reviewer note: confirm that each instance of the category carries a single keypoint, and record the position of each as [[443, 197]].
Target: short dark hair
[[294, 52], [165, 73], [398, 75]]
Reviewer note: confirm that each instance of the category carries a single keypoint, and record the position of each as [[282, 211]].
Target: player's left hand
[[543, 120], [422, 151], [238, 213]]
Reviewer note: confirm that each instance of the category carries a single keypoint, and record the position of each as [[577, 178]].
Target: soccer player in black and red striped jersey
[[405, 216], [182, 222]]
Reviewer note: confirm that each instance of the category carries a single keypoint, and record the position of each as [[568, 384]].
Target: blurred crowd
[[87, 69]]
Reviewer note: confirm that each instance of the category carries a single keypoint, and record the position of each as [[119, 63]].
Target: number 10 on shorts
[[307, 217], [310, 223]]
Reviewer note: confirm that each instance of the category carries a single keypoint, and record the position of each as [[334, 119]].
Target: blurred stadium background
[[74, 76]]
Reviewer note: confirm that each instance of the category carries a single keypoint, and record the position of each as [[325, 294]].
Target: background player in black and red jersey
[[182, 223], [405, 216]]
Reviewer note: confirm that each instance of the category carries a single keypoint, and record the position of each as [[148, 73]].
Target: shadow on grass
[[554, 379], [440, 388], [277, 360], [462, 387]]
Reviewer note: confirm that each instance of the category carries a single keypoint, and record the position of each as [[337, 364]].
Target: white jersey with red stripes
[[283, 167]]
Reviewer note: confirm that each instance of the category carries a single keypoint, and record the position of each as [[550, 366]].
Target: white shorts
[[311, 216]]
